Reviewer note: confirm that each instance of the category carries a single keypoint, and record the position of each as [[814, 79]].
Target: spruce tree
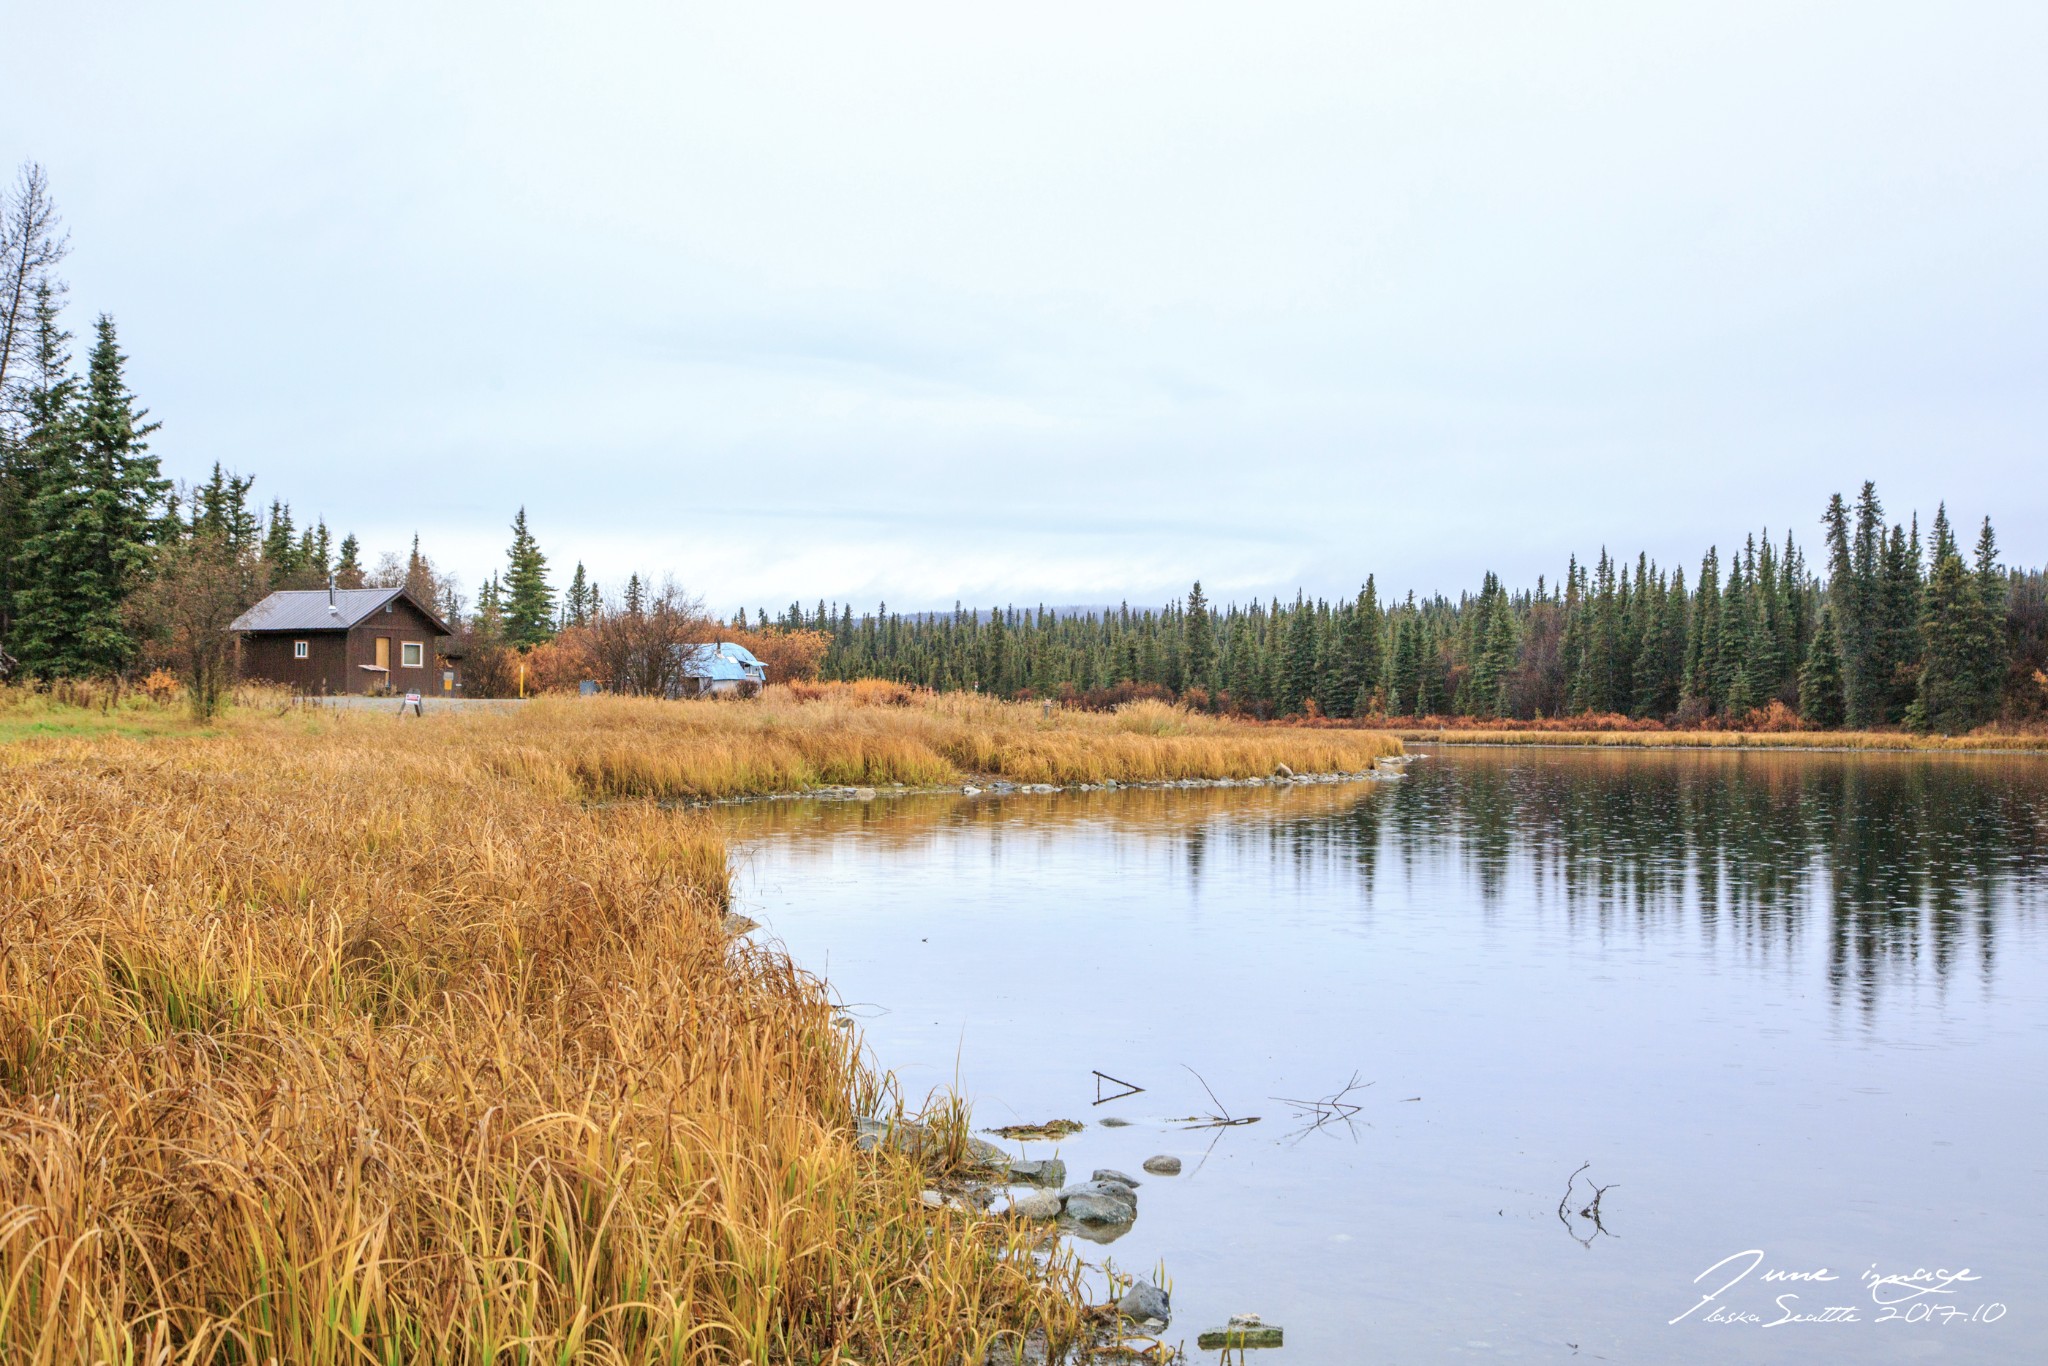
[[1767, 664], [220, 508], [1951, 697], [1899, 639], [1661, 660], [529, 606], [1820, 677], [316, 551], [1405, 693], [1199, 656], [1994, 646], [1703, 647], [46, 472], [1300, 669], [1243, 664], [280, 545], [348, 568], [1854, 573], [1497, 660], [1372, 652], [575, 612], [93, 519], [1734, 693]]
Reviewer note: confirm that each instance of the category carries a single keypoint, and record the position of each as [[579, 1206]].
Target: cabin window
[[409, 654], [298, 649]]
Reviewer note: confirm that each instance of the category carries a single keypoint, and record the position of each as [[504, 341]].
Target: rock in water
[[982, 1153], [1111, 1174], [1243, 1330], [1035, 1205], [1044, 1171], [1146, 1306], [1163, 1165], [1100, 1209], [870, 1134], [931, 1199], [1100, 1202]]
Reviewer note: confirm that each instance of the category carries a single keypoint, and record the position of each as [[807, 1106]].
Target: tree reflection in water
[[1911, 862]]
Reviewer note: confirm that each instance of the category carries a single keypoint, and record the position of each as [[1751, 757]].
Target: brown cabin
[[347, 640]]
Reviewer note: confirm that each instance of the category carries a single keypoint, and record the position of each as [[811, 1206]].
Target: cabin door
[[384, 652]]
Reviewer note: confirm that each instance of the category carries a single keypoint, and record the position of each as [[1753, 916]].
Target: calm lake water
[[1791, 1005]]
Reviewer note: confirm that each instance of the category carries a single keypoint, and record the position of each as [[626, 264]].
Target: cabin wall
[[398, 621], [335, 659], [268, 658]]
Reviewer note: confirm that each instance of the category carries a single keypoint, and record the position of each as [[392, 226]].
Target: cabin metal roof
[[723, 661], [307, 609]]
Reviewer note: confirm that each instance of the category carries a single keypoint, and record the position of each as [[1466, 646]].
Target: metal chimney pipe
[[332, 610]]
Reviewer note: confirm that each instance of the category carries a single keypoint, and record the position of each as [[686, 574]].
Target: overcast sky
[[1065, 303]]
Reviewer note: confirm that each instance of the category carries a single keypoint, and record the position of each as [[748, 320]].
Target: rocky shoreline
[[1002, 1185], [1382, 771]]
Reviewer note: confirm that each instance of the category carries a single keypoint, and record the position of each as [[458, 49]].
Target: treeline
[[1903, 630], [107, 569]]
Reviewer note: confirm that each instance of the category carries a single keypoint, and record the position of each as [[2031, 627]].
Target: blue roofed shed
[[722, 669]]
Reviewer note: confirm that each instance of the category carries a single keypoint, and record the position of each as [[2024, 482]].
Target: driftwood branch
[[1589, 1211], [1335, 1108], [1222, 1119], [1130, 1089]]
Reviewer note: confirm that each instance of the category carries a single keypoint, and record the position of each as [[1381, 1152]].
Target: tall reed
[[331, 1040], [636, 748]]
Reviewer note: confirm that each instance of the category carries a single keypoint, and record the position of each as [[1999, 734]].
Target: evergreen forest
[[107, 568]]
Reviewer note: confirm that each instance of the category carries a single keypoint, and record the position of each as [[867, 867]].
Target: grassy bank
[[329, 1037], [1732, 739], [331, 1040], [621, 747]]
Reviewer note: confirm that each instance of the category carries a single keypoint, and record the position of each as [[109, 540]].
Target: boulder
[[870, 1134], [1111, 1174], [1146, 1306], [1100, 1202], [1163, 1165], [1091, 1207], [1034, 1205], [982, 1153], [1044, 1171]]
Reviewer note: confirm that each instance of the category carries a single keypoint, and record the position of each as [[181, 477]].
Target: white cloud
[[1067, 302]]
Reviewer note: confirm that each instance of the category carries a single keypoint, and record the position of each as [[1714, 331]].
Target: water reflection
[[1903, 862], [1774, 1000]]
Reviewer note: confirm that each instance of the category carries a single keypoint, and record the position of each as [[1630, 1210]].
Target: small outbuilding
[[722, 669], [346, 640]]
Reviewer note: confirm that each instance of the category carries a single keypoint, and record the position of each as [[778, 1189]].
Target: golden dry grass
[[621, 747], [331, 1040], [1735, 739]]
